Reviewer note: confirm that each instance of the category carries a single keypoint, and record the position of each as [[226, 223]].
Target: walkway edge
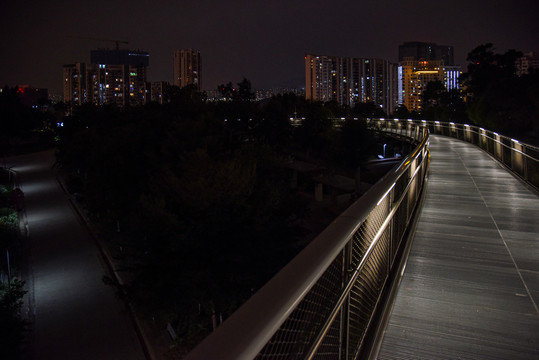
[[392, 287], [143, 339]]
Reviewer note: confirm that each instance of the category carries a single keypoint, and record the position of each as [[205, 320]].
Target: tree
[[486, 68], [368, 110], [498, 98], [442, 105], [402, 112], [12, 327]]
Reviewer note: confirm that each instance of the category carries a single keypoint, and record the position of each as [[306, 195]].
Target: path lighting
[[383, 152], [515, 141]]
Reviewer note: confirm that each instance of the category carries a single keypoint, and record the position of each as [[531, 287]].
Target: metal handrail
[[333, 286], [520, 158]]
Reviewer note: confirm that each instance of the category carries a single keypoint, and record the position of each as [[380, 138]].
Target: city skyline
[[263, 41]]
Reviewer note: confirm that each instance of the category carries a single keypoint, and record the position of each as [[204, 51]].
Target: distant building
[[113, 77], [33, 97], [426, 51], [74, 83], [528, 63], [421, 63], [187, 68], [155, 91], [349, 81], [414, 75], [262, 94]]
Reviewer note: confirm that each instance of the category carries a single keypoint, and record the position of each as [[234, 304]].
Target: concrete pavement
[[75, 315]]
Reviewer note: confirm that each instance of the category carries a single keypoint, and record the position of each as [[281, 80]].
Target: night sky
[[262, 40]]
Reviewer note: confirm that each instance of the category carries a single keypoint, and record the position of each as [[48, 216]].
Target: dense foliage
[[197, 194], [12, 326], [498, 99]]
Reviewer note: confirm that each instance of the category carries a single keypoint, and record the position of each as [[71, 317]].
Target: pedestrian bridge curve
[[471, 285], [459, 233]]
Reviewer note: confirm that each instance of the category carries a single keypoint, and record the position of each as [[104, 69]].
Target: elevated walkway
[[471, 285]]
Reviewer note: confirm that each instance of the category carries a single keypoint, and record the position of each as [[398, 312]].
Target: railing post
[[345, 310], [517, 159], [498, 150]]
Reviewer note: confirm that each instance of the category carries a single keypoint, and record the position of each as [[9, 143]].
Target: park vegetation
[[195, 196], [12, 325]]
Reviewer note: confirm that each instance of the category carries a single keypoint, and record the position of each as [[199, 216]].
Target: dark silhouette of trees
[[402, 112], [441, 104], [486, 68], [12, 326], [498, 99], [197, 195]]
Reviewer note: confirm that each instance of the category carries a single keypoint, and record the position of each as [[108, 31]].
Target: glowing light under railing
[[481, 129], [437, 122], [382, 119], [387, 192], [424, 121], [495, 133], [466, 125], [452, 123], [396, 119], [515, 141]]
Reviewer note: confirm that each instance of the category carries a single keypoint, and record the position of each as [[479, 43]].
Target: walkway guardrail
[[522, 159], [321, 304]]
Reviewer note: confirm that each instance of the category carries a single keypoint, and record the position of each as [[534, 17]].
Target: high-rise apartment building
[[414, 75], [426, 51], [187, 68], [421, 63], [113, 77], [156, 91], [349, 81], [527, 63], [74, 82]]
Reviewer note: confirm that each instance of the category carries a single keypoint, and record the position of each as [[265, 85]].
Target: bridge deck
[[471, 286]]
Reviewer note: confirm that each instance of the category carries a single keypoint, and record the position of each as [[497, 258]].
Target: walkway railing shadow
[[322, 304]]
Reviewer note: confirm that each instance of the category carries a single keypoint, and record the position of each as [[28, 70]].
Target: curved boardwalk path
[[75, 316], [471, 285]]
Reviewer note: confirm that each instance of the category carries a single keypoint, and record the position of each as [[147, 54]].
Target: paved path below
[[471, 285], [76, 316]]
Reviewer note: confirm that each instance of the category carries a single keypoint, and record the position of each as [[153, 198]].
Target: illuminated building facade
[[421, 63], [187, 68], [157, 91], [349, 81], [115, 77], [527, 64], [74, 83]]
